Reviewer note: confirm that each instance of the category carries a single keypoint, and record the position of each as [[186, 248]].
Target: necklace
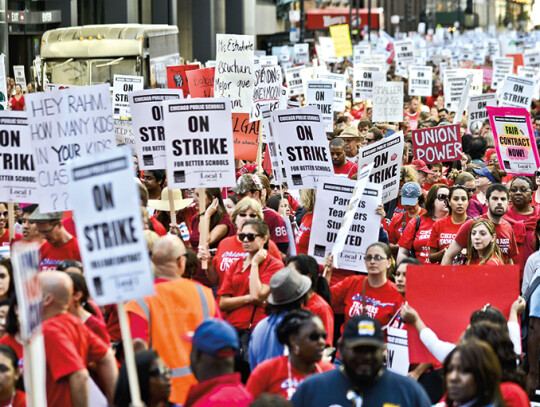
[[292, 389]]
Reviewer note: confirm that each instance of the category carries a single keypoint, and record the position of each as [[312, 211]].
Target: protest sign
[[325, 50], [359, 51], [301, 135], [498, 286], [532, 58], [200, 150], [437, 144], [108, 220], [246, 136], [19, 76], [342, 40], [404, 52], [340, 88], [18, 182], [386, 156], [294, 80], [37, 70], [301, 53], [267, 89], [477, 79], [529, 72], [388, 102], [122, 86], [234, 70], [364, 78], [148, 125], [65, 124], [177, 77], [274, 149], [201, 82], [397, 351], [50, 87], [3, 87], [477, 111], [514, 140], [420, 80], [516, 91], [502, 66], [331, 204], [321, 95], [453, 91], [267, 60]]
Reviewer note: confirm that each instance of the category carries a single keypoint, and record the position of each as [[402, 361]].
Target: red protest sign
[[437, 144], [456, 291], [246, 137], [201, 82], [518, 60], [487, 74], [177, 79]]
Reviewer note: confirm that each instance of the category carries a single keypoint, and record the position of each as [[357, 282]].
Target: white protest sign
[[359, 51], [199, 143], [502, 66], [267, 60], [18, 181], [340, 88], [20, 77], [321, 95], [66, 124], [123, 133], [364, 78], [388, 102], [386, 156], [148, 127], [293, 77], [301, 135], [267, 90], [404, 51], [532, 58], [50, 87], [234, 70], [532, 73], [516, 91], [453, 91], [301, 53], [477, 107], [397, 346], [273, 148], [420, 80], [108, 219], [325, 49], [477, 79], [464, 95], [333, 197], [3, 83], [122, 85], [37, 70]]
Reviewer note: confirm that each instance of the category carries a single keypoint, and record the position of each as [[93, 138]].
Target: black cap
[[362, 330]]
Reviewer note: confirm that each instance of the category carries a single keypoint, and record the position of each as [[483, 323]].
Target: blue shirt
[[264, 344], [534, 301]]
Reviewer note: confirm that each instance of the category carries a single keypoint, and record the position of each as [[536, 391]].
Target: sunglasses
[[274, 186], [522, 190], [316, 336], [250, 236], [377, 257], [442, 197], [251, 215], [4, 214], [160, 371], [537, 173], [470, 190]]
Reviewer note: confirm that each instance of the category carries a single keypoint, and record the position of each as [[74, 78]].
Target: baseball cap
[[362, 330], [350, 131], [484, 172], [212, 336], [287, 285], [420, 165], [246, 183], [410, 192], [37, 216]]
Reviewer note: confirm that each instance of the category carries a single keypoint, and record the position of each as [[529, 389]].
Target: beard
[[363, 377]]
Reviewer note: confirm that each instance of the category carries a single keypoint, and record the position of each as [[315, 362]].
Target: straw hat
[[163, 203]]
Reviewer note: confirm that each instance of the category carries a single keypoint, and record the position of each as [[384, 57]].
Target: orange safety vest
[[178, 307]]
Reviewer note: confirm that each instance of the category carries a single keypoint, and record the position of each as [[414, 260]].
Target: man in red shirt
[[413, 112], [342, 166], [60, 244], [70, 346], [215, 343]]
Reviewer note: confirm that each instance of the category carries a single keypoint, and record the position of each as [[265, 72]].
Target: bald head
[[57, 288], [167, 250]]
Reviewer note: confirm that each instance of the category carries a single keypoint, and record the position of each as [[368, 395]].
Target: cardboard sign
[[306, 156], [25, 260], [122, 86], [331, 205], [420, 80], [301, 53], [497, 286], [502, 66], [293, 77], [267, 89], [148, 125], [397, 351], [234, 70], [342, 40], [177, 77], [404, 52], [359, 51], [516, 91], [514, 140], [108, 220], [453, 91], [321, 95], [437, 144], [364, 78], [19, 76], [201, 82], [388, 102], [18, 179], [477, 111], [245, 136], [66, 124], [123, 133], [340, 88], [386, 156], [200, 149], [3, 87]]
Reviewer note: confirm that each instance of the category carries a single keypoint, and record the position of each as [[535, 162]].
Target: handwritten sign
[[267, 89], [342, 40], [388, 102], [245, 136], [201, 82]]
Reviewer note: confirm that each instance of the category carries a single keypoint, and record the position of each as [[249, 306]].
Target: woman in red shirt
[[307, 196], [482, 247], [10, 396], [17, 101]]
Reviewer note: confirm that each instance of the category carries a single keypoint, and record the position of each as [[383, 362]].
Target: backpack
[[525, 321]]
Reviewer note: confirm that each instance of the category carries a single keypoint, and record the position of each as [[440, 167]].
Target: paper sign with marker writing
[[122, 86], [267, 89], [246, 136], [342, 40], [388, 102], [201, 82]]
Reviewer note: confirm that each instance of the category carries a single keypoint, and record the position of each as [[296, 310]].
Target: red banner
[[201, 82], [246, 137], [437, 144], [454, 293], [177, 79]]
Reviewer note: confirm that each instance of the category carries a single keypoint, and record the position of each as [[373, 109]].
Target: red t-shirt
[[493, 261], [322, 309], [476, 208], [443, 233], [230, 249], [17, 104], [69, 347], [523, 226], [4, 239], [382, 302], [349, 169], [398, 224], [514, 395], [292, 202], [276, 225], [10, 341], [413, 119], [51, 255], [225, 390], [18, 401], [113, 323], [304, 233], [505, 237], [272, 376], [236, 283], [420, 240], [98, 327]]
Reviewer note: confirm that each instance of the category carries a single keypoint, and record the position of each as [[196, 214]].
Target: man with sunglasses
[[59, 243]]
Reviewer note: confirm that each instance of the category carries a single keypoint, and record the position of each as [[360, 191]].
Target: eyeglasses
[[537, 173], [250, 236], [161, 371], [4, 214], [442, 197], [369, 140], [470, 190], [316, 336], [274, 186], [522, 190], [251, 215], [46, 232], [377, 257]]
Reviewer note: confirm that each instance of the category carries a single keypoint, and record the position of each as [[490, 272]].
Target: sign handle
[[129, 354], [464, 99], [171, 207], [259, 149], [203, 225], [11, 220]]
